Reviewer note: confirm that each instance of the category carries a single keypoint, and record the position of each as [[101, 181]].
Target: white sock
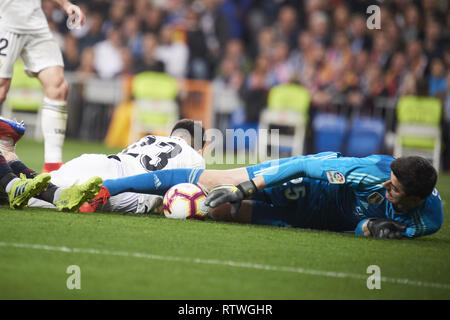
[[9, 185], [57, 195], [53, 122]]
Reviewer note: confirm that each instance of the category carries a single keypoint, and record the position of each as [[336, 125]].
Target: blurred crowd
[[252, 45]]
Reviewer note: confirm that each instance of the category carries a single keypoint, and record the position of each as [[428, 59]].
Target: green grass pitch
[[149, 257]]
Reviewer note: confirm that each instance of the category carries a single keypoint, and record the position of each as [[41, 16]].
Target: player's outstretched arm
[[71, 9]]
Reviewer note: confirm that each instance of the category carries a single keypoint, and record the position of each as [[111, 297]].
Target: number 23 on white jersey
[[157, 153]]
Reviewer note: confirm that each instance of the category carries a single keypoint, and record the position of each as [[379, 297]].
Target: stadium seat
[[100, 96], [156, 110], [366, 136], [418, 128], [24, 101], [287, 110], [329, 132]]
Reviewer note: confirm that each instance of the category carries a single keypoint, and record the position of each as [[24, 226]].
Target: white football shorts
[[38, 52]]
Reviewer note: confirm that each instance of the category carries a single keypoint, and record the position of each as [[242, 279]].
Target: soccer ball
[[185, 201]]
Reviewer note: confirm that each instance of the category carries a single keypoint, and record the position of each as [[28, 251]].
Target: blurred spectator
[[108, 57], [286, 26], [394, 36], [235, 51], [446, 28], [214, 26], [446, 56], [396, 73], [139, 10], [280, 70], [229, 75], [175, 11], [235, 11], [95, 33], [318, 76], [299, 56], [360, 40], [116, 14], [408, 86], [437, 78], [312, 6], [265, 42], [411, 30], [200, 60], [373, 88], [172, 51], [70, 53], [417, 60], [259, 78], [87, 68], [341, 17], [339, 55], [432, 45], [381, 50], [132, 37], [148, 60], [319, 25], [127, 61], [152, 19], [255, 90]]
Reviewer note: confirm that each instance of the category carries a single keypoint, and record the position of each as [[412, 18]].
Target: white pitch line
[[236, 264]]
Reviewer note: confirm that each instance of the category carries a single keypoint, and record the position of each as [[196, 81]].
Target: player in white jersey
[[24, 33], [150, 153]]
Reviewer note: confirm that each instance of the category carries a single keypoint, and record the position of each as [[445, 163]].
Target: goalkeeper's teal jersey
[[331, 192]]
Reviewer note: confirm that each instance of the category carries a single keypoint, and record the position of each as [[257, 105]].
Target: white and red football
[[185, 201]]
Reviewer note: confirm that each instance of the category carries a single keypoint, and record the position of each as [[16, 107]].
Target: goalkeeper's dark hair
[[190, 129], [416, 175]]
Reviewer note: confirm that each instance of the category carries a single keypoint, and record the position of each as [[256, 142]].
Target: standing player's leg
[[42, 58], [53, 115]]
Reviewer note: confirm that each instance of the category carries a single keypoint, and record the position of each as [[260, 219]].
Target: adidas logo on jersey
[[157, 182]]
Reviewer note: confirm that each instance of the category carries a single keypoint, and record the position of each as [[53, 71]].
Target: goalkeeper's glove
[[228, 193], [386, 228]]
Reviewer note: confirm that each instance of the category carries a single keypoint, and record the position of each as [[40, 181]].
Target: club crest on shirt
[[375, 198], [335, 177]]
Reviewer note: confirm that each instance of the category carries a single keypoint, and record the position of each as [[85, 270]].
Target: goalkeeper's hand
[[233, 194], [385, 228]]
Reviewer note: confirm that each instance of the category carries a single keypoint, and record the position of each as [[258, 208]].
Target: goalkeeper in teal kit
[[375, 196]]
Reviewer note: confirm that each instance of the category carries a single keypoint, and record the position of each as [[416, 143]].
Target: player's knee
[[58, 89], [62, 89]]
